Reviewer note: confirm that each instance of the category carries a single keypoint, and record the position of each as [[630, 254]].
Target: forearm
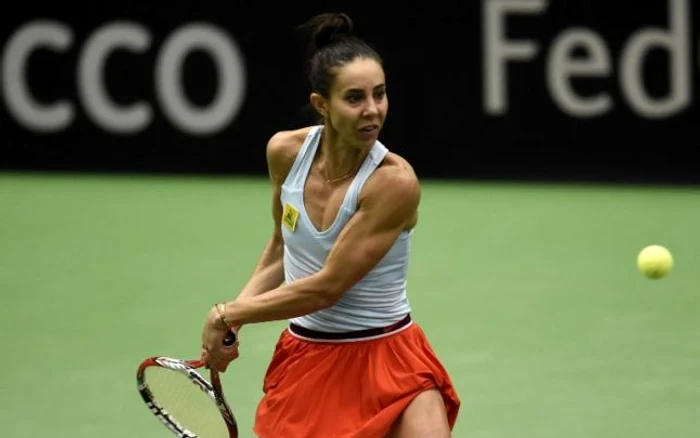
[[269, 272], [298, 298]]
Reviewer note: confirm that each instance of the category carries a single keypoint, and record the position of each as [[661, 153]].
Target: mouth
[[369, 129]]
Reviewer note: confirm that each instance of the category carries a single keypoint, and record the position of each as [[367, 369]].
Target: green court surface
[[529, 294]]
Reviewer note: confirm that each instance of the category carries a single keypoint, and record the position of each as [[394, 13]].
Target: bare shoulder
[[282, 150], [399, 165], [395, 183]]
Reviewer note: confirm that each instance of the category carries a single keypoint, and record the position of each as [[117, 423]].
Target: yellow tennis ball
[[655, 261]]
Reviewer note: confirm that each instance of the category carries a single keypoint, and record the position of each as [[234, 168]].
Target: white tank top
[[377, 300]]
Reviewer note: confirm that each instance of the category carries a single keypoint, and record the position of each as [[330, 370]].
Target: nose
[[371, 108]]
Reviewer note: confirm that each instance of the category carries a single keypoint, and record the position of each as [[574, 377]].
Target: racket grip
[[230, 339]]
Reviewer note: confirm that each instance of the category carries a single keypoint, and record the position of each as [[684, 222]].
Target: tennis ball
[[655, 261]]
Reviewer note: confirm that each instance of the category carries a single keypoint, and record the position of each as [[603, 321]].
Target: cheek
[[342, 117], [384, 107]]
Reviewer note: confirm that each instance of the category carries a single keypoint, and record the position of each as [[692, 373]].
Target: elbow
[[326, 300], [331, 291]]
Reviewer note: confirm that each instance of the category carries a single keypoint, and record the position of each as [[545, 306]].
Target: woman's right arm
[[269, 272]]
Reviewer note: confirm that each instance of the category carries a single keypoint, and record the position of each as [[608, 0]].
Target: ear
[[319, 103]]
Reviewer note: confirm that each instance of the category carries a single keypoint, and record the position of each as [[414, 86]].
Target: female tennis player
[[352, 363]]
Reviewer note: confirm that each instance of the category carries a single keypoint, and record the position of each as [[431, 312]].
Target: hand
[[215, 354]]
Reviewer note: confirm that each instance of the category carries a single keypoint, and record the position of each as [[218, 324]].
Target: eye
[[379, 94], [354, 98]]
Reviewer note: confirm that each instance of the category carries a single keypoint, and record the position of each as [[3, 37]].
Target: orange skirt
[[354, 389]]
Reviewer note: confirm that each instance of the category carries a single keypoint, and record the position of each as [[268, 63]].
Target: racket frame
[[188, 368]]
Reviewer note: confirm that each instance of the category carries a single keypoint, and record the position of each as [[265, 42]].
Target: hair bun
[[328, 28]]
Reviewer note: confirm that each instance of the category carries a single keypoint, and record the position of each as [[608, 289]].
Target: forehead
[[361, 73]]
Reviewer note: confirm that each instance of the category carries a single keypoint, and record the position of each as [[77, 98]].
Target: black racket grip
[[230, 339]]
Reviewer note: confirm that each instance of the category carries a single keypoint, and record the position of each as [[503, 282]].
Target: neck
[[339, 160]]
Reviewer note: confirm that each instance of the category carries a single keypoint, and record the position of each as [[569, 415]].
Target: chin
[[365, 144], [367, 141]]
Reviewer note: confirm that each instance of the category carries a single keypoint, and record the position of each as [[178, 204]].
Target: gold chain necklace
[[332, 180], [340, 178]]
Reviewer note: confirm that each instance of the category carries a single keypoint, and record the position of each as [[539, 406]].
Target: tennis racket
[[187, 404]]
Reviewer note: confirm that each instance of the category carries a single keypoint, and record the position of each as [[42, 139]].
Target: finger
[[227, 361], [220, 365], [215, 360], [211, 363], [228, 353], [231, 348], [205, 358], [209, 359], [221, 362]]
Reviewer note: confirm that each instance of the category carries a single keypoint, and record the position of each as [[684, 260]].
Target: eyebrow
[[351, 90]]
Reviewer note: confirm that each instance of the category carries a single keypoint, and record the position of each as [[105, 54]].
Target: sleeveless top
[[377, 300]]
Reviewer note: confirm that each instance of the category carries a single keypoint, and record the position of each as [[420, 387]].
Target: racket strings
[[186, 403]]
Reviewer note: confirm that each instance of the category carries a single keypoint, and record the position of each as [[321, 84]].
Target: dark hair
[[332, 44]]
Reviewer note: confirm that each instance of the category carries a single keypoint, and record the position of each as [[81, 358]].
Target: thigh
[[425, 417]]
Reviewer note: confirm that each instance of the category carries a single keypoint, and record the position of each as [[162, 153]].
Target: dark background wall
[[519, 89]]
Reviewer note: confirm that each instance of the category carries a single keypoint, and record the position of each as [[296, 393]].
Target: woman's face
[[358, 104]]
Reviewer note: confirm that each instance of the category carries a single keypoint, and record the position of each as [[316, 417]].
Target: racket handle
[[230, 339]]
